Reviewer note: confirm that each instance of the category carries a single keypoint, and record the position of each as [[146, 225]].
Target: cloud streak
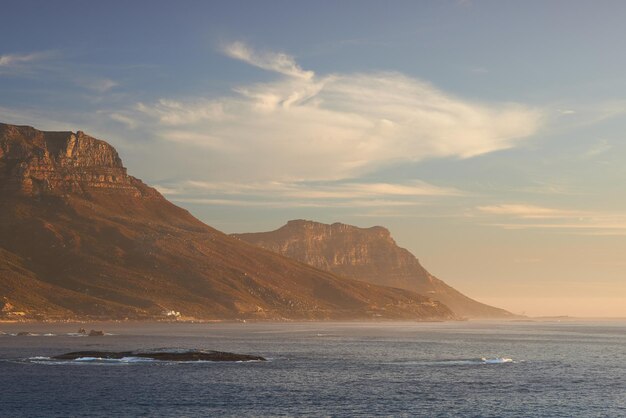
[[272, 61], [304, 194], [11, 60], [100, 85], [529, 211], [522, 216], [17, 64], [293, 203]]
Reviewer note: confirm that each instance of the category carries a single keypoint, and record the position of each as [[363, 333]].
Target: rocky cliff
[[367, 254], [33, 162], [80, 238]]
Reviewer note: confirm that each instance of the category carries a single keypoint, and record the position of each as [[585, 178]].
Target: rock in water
[[161, 355]]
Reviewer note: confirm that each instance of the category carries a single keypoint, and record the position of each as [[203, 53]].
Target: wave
[[497, 360], [121, 361], [92, 361], [76, 362], [457, 362], [110, 360], [49, 334]]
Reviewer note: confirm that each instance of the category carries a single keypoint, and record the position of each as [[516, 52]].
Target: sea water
[[482, 369]]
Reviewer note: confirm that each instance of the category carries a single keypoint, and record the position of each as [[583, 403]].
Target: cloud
[[319, 190], [20, 64], [123, 119], [304, 194], [528, 211], [101, 85], [591, 227], [272, 61], [176, 113], [303, 126], [12, 60], [293, 203], [522, 216], [601, 147]]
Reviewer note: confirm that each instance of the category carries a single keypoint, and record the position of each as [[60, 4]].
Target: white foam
[[497, 360], [115, 360], [457, 362], [137, 360], [124, 360]]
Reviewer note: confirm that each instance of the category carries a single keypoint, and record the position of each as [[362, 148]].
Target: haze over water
[[489, 369]]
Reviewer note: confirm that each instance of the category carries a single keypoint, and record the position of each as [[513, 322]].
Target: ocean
[[440, 369]]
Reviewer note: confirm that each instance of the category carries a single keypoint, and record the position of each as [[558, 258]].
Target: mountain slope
[[81, 238], [367, 254]]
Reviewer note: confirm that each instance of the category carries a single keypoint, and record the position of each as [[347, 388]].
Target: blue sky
[[488, 136]]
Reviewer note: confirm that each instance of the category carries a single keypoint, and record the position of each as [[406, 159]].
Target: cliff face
[[81, 238], [33, 162], [367, 254]]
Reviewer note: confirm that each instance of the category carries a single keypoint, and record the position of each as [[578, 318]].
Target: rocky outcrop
[[33, 162], [367, 254], [160, 355], [79, 238]]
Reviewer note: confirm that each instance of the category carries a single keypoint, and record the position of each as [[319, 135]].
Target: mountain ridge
[[367, 254], [80, 238]]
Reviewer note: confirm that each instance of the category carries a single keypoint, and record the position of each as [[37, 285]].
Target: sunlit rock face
[[33, 162], [367, 254]]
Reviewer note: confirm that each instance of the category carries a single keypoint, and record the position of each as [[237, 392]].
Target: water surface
[[490, 369]]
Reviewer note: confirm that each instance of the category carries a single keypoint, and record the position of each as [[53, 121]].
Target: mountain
[[367, 254], [80, 238]]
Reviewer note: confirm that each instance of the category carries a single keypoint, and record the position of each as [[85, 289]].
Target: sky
[[487, 136]]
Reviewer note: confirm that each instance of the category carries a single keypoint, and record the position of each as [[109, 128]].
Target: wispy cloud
[[601, 147], [338, 126], [573, 117], [100, 85], [12, 63], [272, 61], [294, 203], [10, 60], [596, 227], [311, 190], [528, 211], [522, 216], [546, 188], [123, 119], [304, 194], [49, 62], [176, 113]]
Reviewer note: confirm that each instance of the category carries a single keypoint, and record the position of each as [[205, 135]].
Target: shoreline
[[306, 321]]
